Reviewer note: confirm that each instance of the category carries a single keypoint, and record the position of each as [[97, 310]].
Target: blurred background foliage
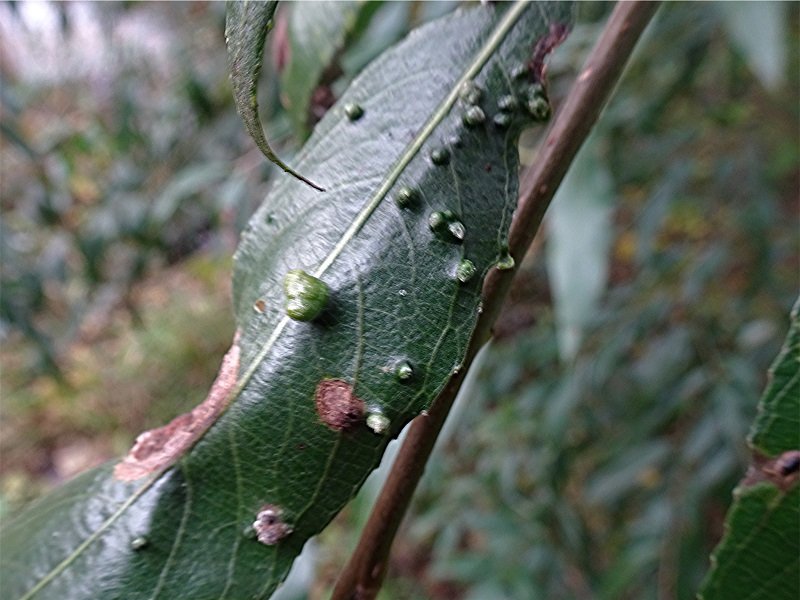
[[593, 453]]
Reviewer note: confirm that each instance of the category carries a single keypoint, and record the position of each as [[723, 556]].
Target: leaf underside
[[759, 555], [394, 298]]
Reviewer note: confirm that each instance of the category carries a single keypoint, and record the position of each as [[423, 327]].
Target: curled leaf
[[247, 24]]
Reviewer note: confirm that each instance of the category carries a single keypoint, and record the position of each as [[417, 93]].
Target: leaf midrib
[[486, 52]]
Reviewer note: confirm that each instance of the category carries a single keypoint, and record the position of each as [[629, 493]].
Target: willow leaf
[[247, 24], [422, 186]]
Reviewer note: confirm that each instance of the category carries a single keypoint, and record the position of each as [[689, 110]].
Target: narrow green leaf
[[382, 305], [759, 556], [247, 24], [760, 31]]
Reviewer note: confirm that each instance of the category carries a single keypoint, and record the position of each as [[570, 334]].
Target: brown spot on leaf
[[783, 470], [161, 447], [269, 525], [337, 406]]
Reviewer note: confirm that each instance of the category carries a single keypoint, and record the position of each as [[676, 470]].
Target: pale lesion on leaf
[[156, 449], [337, 405]]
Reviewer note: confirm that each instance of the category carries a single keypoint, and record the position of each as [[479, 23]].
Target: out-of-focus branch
[[362, 576]]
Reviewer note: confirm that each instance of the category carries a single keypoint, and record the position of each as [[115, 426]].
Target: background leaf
[[318, 32], [759, 557], [394, 297], [777, 426], [579, 243], [759, 31]]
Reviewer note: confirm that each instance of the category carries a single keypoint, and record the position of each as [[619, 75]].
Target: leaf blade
[[247, 24]]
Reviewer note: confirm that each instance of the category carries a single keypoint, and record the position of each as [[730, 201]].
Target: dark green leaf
[[246, 27], [759, 556], [279, 435]]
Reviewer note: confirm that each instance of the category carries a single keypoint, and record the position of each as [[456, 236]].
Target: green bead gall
[[139, 543], [353, 111], [505, 262], [473, 116], [465, 270], [306, 296], [470, 93], [508, 103], [446, 225], [457, 230], [539, 109], [406, 197], [537, 104], [502, 120], [440, 156], [437, 220], [377, 422]]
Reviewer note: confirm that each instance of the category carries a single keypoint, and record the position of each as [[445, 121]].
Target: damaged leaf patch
[[158, 448], [337, 406], [269, 525], [782, 471], [759, 555]]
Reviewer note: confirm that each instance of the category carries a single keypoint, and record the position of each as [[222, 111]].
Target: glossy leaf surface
[[395, 325], [759, 556]]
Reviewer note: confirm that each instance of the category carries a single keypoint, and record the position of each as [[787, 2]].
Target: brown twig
[[362, 576]]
